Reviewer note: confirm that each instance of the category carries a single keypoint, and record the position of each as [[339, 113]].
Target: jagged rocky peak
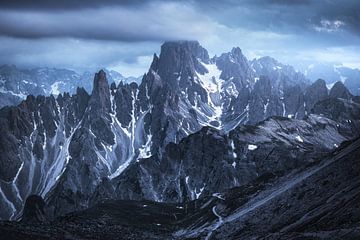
[[185, 49], [236, 51], [319, 84], [340, 91], [100, 96], [266, 65], [80, 91], [319, 88], [234, 65], [179, 61], [234, 56], [281, 74], [100, 82], [238, 56], [154, 64], [263, 64], [315, 92]]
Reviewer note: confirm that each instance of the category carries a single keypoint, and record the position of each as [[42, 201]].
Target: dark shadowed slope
[[320, 201]]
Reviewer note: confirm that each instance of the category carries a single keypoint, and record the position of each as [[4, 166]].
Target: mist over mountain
[[333, 73]]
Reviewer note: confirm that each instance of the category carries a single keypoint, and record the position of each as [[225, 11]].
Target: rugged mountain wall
[[131, 141], [210, 161]]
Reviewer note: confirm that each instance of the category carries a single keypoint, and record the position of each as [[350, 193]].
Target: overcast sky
[[123, 35]]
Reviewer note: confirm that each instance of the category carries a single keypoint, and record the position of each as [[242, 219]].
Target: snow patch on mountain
[[55, 90], [213, 85], [252, 147], [299, 139]]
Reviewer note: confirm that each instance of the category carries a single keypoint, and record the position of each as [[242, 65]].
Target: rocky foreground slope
[[319, 200]]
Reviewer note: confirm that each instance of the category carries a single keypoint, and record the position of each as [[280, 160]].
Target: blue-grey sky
[[123, 35]]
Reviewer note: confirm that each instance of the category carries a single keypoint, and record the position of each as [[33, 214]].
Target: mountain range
[[332, 73], [16, 84], [209, 141]]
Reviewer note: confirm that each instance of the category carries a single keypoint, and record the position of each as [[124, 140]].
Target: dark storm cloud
[[150, 22], [135, 20], [284, 15], [65, 4], [290, 2], [127, 32], [346, 11]]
